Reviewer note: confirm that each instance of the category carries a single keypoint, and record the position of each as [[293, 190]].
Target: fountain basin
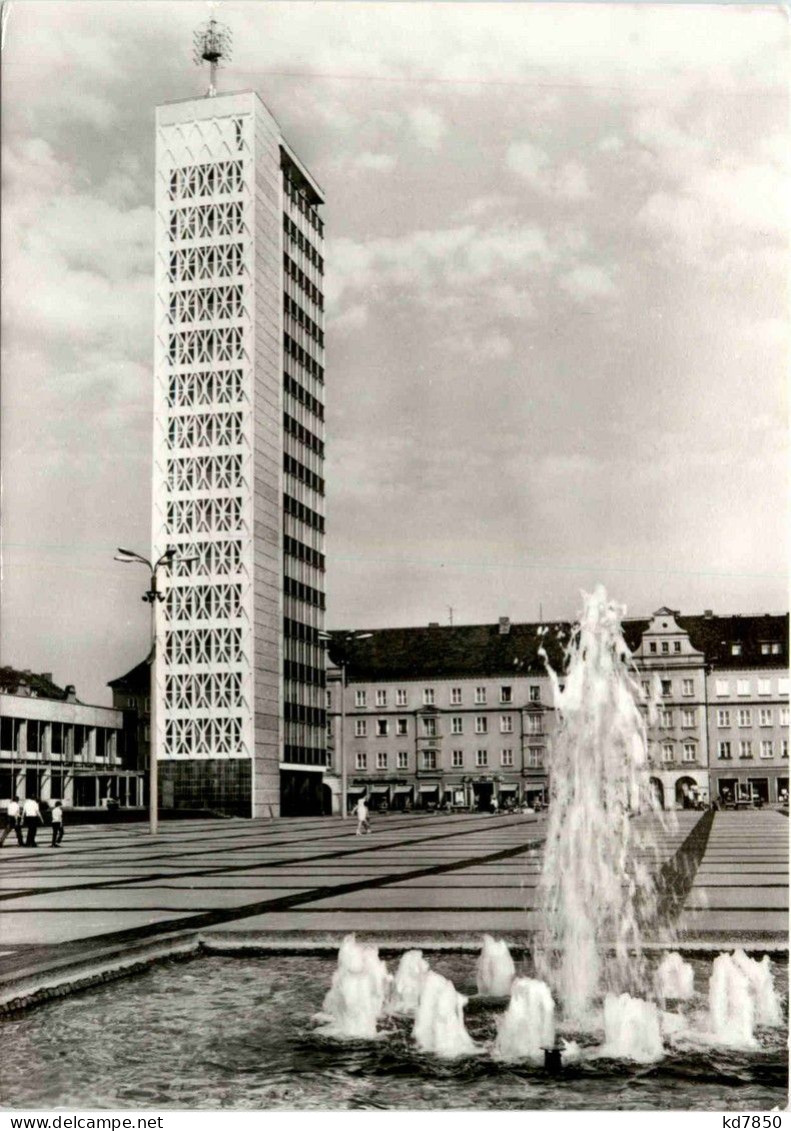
[[237, 1033]]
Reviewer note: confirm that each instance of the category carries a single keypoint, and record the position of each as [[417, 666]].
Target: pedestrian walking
[[31, 819], [57, 823], [13, 820], [361, 809]]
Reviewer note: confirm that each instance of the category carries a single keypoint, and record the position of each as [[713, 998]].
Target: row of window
[[303, 592], [299, 713], [196, 559], [220, 472], [293, 467], [667, 718], [300, 393], [304, 513], [196, 347], [303, 319], [535, 725], [666, 687], [303, 673], [225, 386], [303, 434], [304, 755], [689, 719], [664, 647], [428, 759], [296, 549], [311, 290], [206, 221], [304, 244], [767, 748], [215, 261], [206, 430], [429, 698], [205, 304], [204, 516], [300, 354], [64, 739], [300, 201], [534, 695], [216, 179], [296, 630], [689, 752], [744, 716], [744, 686]]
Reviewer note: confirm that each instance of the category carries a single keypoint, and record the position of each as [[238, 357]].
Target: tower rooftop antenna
[[212, 42]]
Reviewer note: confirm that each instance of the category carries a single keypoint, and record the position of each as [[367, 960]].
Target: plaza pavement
[[741, 885], [113, 893]]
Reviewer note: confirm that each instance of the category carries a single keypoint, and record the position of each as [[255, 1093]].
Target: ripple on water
[[237, 1033]]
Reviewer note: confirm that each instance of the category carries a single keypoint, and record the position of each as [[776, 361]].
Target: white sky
[[557, 334]]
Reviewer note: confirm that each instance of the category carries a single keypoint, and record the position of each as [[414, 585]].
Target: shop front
[[379, 798], [455, 795], [403, 798], [428, 795], [535, 796], [742, 789], [508, 795]]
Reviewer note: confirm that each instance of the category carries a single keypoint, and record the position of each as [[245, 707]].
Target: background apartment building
[[238, 485], [458, 714]]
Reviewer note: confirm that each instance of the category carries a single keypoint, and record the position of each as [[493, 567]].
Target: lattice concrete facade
[[238, 453]]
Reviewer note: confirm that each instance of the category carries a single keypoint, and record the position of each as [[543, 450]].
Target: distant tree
[[9, 679]]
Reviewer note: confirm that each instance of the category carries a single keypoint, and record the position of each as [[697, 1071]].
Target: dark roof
[[136, 679], [16, 682], [448, 651], [714, 636]]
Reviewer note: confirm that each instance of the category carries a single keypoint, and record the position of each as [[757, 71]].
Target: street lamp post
[[153, 596], [344, 639]]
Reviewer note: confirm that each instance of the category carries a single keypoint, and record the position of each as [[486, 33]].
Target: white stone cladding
[[218, 477]]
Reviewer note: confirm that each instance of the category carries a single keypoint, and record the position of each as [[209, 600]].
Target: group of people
[[26, 817]]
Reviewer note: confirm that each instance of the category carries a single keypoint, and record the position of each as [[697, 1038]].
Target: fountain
[[674, 979], [731, 1008], [759, 975], [408, 984], [527, 1028], [439, 1021], [596, 892], [631, 1029], [495, 971], [357, 995], [597, 899]]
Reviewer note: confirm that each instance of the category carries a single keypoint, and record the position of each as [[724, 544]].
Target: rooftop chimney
[[708, 614], [505, 625]]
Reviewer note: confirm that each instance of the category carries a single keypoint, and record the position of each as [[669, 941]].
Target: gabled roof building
[[456, 716]]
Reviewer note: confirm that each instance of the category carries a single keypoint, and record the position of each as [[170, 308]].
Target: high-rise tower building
[[238, 484]]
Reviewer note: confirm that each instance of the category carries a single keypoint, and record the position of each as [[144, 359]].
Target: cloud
[[377, 162], [428, 127], [484, 347], [715, 208], [587, 282], [567, 181], [354, 318], [527, 160]]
